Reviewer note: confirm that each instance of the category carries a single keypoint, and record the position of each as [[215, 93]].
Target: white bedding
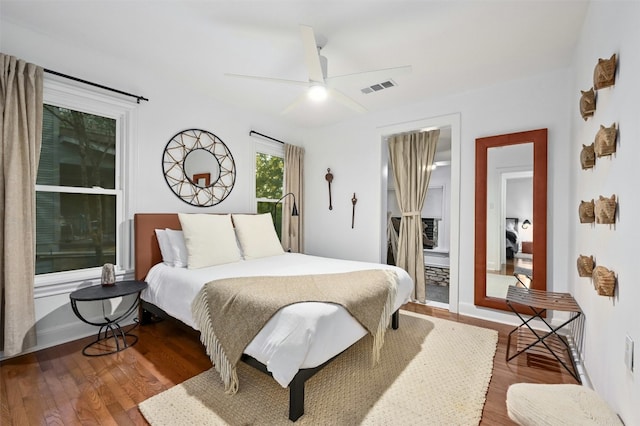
[[303, 335]]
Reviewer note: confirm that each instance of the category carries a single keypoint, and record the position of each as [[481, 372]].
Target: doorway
[[440, 212]]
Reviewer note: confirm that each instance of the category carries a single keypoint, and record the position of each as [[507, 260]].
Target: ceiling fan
[[319, 84]]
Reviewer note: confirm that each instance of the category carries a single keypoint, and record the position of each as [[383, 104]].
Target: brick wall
[[435, 275]]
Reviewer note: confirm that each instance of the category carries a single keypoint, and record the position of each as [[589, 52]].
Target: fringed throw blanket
[[231, 312]]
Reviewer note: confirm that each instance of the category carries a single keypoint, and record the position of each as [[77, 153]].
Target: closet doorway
[[440, 213]]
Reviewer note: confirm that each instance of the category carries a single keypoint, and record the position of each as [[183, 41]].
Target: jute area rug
[[432, 372]]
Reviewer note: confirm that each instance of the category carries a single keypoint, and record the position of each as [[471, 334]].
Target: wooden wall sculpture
[[605, 143], [587, 103], [586, 212], [604, 74], [604, 281], [587, 157], [605, 210], [585, 266]]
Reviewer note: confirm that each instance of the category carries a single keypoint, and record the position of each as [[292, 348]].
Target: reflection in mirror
[[201, 167], [511, 191], [509, 204]]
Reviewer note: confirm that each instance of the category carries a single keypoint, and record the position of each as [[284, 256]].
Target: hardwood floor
[[60, 386]]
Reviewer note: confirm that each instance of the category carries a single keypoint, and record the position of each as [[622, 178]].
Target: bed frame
[[147, 254]]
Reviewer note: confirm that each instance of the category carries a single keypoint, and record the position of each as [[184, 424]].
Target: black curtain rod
[[265, 136], [138, 98]]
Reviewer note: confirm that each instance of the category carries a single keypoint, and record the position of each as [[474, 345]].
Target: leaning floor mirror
[[511, 215]]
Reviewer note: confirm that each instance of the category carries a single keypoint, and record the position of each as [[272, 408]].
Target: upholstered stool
[[530, 404]]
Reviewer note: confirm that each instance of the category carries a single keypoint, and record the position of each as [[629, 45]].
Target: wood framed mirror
[[510, 165]]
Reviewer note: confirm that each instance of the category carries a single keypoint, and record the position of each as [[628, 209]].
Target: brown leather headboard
[[146, 248]]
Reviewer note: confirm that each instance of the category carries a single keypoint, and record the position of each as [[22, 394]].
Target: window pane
[[78, 149], [267, 207], [74, 231], [269, 173]]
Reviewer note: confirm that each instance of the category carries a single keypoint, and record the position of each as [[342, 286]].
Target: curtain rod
[[252, 132], [138, 98]]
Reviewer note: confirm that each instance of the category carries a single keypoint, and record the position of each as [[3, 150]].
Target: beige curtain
[[21, 137], [411, 157], [292, 236]]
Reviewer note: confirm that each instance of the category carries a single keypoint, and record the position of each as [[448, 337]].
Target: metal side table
[[110, 327], [541, 342]]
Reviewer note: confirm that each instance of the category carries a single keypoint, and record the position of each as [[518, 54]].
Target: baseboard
[[65, 333]]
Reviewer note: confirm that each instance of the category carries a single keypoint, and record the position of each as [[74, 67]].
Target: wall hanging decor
[[329, 178], [585, 266], [587, 103], [586, 212], [587, 157], [198, 167], [604, 74], [605, 210], [605, 143], [354, 200], [604, 281]]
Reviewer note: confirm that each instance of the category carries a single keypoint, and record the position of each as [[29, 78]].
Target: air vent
[[378, 87]]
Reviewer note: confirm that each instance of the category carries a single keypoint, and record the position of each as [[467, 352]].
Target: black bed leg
[[296, 398], [145, 316], [395, 320]]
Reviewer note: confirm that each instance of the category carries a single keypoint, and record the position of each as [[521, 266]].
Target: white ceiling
[[453, 46]]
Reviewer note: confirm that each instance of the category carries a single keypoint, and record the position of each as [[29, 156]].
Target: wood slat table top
[[543, 299]]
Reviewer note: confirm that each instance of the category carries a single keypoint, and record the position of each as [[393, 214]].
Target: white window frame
[[73, 96], [270, 148]]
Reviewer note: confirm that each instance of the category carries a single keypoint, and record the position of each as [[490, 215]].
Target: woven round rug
[[432, 371]]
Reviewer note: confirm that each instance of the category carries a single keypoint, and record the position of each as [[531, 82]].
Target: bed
[[293, 345]]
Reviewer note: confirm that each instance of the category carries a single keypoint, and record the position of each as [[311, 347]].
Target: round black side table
[[109, 328]]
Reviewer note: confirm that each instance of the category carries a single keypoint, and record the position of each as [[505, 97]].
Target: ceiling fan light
[[317, 93]]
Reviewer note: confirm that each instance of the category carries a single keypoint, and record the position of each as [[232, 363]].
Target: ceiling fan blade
[[269, 79], [374, 76], [299, 100], [346, 101], [311, 55]]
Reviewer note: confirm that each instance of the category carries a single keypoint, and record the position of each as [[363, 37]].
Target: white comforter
[[303, 335]]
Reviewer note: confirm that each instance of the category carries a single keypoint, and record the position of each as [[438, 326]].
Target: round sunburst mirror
[[199, 167]]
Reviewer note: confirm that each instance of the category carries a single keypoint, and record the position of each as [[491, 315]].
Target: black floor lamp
[[294, 210]]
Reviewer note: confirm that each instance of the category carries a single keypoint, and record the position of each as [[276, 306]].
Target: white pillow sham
[[165, 247], [176, 240], [209, 238], [172, 247], [257, 235]]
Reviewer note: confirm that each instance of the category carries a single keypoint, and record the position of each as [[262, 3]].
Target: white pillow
[[257, 235], [165, 247], [210, 239], [178, 248]]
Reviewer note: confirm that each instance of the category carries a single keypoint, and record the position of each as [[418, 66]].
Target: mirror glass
[[511, 204], [201, 168]]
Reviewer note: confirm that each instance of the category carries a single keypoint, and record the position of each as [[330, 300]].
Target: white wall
[[354, 150], [174, 106], [520, 200], [609, 30]]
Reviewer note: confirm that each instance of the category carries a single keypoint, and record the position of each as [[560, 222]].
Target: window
[[79, 197], [270, 180]]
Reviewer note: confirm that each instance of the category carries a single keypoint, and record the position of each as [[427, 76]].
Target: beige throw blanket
[[231, 312]]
